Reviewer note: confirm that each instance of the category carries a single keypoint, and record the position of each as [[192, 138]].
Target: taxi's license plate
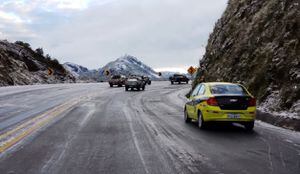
[[234, 115]]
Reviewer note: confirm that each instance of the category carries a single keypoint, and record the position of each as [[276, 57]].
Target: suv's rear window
[[228, 89]]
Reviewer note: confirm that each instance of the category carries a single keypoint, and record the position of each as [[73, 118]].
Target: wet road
[[91, 128]]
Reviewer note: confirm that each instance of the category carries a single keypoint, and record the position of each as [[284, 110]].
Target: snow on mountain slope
[[75, 69], [130, 65], [82, 73]]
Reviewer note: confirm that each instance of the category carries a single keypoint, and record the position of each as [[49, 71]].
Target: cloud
[[66, 4], [10, 17], [163, 33], [14, 26]]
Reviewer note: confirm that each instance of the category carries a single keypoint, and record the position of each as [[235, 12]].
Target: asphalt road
[[91, 128]]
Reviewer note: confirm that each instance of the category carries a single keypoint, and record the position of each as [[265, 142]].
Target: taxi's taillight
[[212, 101], [252, 102]]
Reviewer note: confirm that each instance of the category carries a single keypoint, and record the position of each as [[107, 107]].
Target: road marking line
[[32, 125], [135, 139], [27, 123]]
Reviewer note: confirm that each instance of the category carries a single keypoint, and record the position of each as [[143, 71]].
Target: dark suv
[[135, 82], [118, 80], [179, 78]]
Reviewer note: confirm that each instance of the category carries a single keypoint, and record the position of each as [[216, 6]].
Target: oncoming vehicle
[[135, 82], [179, 78], [147, 80], [221, 102], [118, 80]]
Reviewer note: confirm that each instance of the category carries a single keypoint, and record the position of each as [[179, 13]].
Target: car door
[[198, 99], [190, 103]]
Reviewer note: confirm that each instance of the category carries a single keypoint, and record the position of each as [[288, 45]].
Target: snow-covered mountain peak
[[75, 69], [127, 65], [128, 58]]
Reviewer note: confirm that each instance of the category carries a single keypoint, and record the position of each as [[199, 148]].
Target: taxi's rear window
[[228, 89]]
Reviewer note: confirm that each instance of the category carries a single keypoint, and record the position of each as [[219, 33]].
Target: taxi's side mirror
[[188, 95]]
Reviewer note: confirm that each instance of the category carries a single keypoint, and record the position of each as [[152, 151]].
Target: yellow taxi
[[221, 102]]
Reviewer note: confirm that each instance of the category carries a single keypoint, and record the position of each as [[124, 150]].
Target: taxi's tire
[[186, 117], [143, 88], [249, 126], [200, 122], [126, 88], [111, 85], [138, 88], [172, 82]]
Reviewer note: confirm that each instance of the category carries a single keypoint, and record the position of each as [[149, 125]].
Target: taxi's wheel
[[200, 121], [126, 88], [111, 85], [249, 126], [186, 117]]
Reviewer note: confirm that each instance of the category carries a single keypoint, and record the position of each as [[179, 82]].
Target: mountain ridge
[[124, 65]]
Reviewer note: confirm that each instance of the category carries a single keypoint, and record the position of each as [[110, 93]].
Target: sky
[[164, 34]]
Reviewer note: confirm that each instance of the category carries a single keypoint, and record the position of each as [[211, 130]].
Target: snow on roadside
[[273, 101], [294, 136]]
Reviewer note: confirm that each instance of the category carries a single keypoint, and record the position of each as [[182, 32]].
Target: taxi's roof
[[220, 83]]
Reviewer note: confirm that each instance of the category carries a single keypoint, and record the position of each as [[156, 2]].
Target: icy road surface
[[91, 128]]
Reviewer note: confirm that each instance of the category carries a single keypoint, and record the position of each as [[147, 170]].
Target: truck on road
[[118, 80], [135, 82], [179, 78]]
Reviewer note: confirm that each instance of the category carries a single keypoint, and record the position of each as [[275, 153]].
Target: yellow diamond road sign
[[191, 70], [107, 72]]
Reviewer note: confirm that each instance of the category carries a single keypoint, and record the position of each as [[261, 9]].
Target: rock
[[257, 42], [20, 65]]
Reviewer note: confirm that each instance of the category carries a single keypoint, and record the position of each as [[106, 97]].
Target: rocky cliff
[[20, 65], [256, 43]]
